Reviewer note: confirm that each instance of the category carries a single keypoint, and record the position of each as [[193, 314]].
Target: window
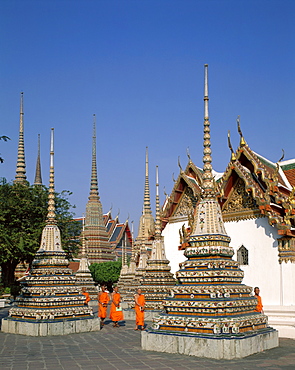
[[242, 256]]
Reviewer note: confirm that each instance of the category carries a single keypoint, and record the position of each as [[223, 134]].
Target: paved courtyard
[[119, 348]]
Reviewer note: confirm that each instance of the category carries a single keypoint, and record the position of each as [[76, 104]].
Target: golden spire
[[38, 177], [94, 196], [21, 164]]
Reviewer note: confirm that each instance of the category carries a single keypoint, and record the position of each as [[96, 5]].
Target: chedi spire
[[50, 303], [98, 246], [20, 176], [157, 280], [38, 177], [210, 300]]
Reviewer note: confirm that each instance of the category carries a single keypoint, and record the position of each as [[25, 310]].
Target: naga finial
[[179, 165], [242, 141], [283, 156], [233, 156], [188, 154]]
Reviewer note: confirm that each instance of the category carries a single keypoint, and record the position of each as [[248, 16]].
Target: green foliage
[[4, 291], [23, 211], [106, 272], [4, 138]]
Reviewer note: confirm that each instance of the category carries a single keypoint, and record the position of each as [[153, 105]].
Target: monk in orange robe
[[259, 307], [139, 310], [86, 295], [103, 300], [116, 313]]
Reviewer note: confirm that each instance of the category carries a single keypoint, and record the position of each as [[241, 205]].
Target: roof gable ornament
[[242, 140], [179, 165], [188, 155], [233, 155]]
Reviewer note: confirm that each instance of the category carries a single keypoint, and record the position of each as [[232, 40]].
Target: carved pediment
[[240, 204], [186, 207]]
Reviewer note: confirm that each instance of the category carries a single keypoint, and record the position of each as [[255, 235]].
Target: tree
[[23, 211], [106, 272], [5, 138]]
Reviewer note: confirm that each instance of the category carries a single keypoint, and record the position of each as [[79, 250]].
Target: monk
[[116, 313], [259, 307], [139, 310], [103, 300], [86, 295]]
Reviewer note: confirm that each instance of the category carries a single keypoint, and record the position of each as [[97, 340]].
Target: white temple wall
[[276, 282], [172, 241], [288, 284], [263, 269]]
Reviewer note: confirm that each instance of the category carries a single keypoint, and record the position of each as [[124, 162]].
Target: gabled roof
[[270, 186], [187, 183], [288, 168], [265, 181]]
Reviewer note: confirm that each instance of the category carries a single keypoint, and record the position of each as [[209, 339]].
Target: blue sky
[[138, 65]]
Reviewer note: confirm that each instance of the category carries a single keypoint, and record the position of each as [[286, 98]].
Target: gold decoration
[[286, 248], [240, 204]]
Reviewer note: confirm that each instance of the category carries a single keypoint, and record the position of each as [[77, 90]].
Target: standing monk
[[116, 313], [103, 300], [259, 307], [86, 295], [139, 310]]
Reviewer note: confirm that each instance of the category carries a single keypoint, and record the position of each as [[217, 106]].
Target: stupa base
[[218, 347], [43, 329], [149, 315]]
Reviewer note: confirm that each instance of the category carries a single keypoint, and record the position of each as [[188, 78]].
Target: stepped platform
[[221, 347]]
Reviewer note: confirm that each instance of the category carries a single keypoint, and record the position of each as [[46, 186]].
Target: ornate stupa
[[127, 276], [146, 223], [157, 281], [142, 245], [210, 313], [50, 303], [20, 177], [83, 274], [98, 246]]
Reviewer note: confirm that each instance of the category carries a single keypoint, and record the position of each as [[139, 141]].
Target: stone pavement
[[119, 348]]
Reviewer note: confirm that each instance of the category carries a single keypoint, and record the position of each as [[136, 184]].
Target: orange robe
[[259, 304], [116, 315], [139, 320], [87, 298], [103, 301]]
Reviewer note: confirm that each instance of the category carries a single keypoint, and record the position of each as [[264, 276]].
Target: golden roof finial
[[233, 156], [188, 154], [179, 165], [283, 156], [242, 140]]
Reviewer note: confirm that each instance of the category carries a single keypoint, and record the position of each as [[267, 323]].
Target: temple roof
[[269, 184]]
